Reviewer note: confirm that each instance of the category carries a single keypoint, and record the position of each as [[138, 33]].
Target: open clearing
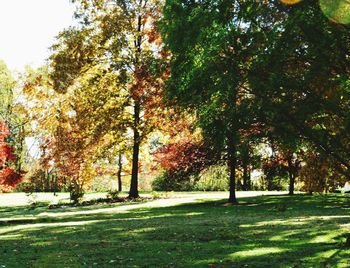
[[187, 230]]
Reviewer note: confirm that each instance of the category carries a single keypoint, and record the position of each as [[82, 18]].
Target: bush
[[160, 195], [101, 184], [76, 192], [113, 194], [182, 163], [214, 178], [167, 182]]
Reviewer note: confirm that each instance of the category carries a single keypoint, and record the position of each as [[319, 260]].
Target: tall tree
[[122, 36], [7, 84], [302, 80], [9, 116], [73, 140], [212, 44]]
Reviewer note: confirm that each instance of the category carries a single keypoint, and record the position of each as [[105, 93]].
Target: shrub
[[113, 194], [170, 182], [182, 162], [214, 178]]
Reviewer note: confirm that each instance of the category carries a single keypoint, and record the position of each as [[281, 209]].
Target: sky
[[28, 28]]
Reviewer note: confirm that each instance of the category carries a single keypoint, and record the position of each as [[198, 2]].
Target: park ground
[[183, 230]]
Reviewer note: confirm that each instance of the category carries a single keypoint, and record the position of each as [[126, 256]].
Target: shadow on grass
[[268, 231]]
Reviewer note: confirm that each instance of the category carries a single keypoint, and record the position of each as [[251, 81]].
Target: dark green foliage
[[174, 182], [76, 192], [300, 81], [213, 178], [258, 69], [347, 243], [213, 44], [113, 194]]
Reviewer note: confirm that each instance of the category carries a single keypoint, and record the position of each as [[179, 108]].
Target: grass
[[262, 231]]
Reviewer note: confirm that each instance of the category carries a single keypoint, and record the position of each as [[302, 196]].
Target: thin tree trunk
[[291, 177], [232, 163], [291, 183], [20, 149], [134, 193], [272, 170], [119, 174], [246, 175], [269, 179], [55, 184]]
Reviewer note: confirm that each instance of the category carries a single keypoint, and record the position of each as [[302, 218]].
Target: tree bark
[[246, 175], [291, 176], [232, 163], [291, 183], [134, 192], [119, 174], [55, 187]]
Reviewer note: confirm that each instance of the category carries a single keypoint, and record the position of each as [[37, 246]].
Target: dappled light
[[256, 252], [175, 133], [233, 235]]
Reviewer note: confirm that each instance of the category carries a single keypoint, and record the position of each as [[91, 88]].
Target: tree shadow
[[308, 232]]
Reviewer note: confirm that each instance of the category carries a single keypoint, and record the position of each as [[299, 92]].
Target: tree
[[318, 174], [7, 83], [9, 178], [73, 141], [212, 44], [10, 116], [284, 161], [115, 156], [301, 79], [180, 161], [291, 62], [248, 156], [121, 36]]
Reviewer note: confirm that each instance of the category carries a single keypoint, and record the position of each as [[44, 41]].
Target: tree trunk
[[246, 176], [134, 192], [269, 179], [55, 184], [119, 174], [291, 177], [19, 158], [232, 163], [291, 183]]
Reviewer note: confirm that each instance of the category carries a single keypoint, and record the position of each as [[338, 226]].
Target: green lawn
[[263, 231]]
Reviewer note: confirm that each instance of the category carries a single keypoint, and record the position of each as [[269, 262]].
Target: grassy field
[[262, 231]]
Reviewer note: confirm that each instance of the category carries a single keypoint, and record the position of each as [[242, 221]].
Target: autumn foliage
[[318, 175], [186, 157], [9, 178], [180, 160]]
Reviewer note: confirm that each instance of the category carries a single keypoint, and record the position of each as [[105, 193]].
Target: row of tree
[[262, 70], [11, 130], [199, 83]]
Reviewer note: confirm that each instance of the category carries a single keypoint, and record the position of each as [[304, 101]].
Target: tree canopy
[[170, 88]]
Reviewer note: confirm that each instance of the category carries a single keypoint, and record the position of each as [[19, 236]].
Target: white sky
[[28, 28]]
